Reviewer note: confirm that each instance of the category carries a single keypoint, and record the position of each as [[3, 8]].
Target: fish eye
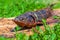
[[22, 19]]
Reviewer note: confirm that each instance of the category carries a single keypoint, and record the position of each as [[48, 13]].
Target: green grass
[[13, 8], [49, 33]]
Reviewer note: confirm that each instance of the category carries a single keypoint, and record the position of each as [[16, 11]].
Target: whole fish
[[31, 19]]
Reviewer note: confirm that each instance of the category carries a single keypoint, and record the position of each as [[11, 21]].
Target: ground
[[6, 25]]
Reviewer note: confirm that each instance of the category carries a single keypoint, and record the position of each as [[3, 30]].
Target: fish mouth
[[19, 23]]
